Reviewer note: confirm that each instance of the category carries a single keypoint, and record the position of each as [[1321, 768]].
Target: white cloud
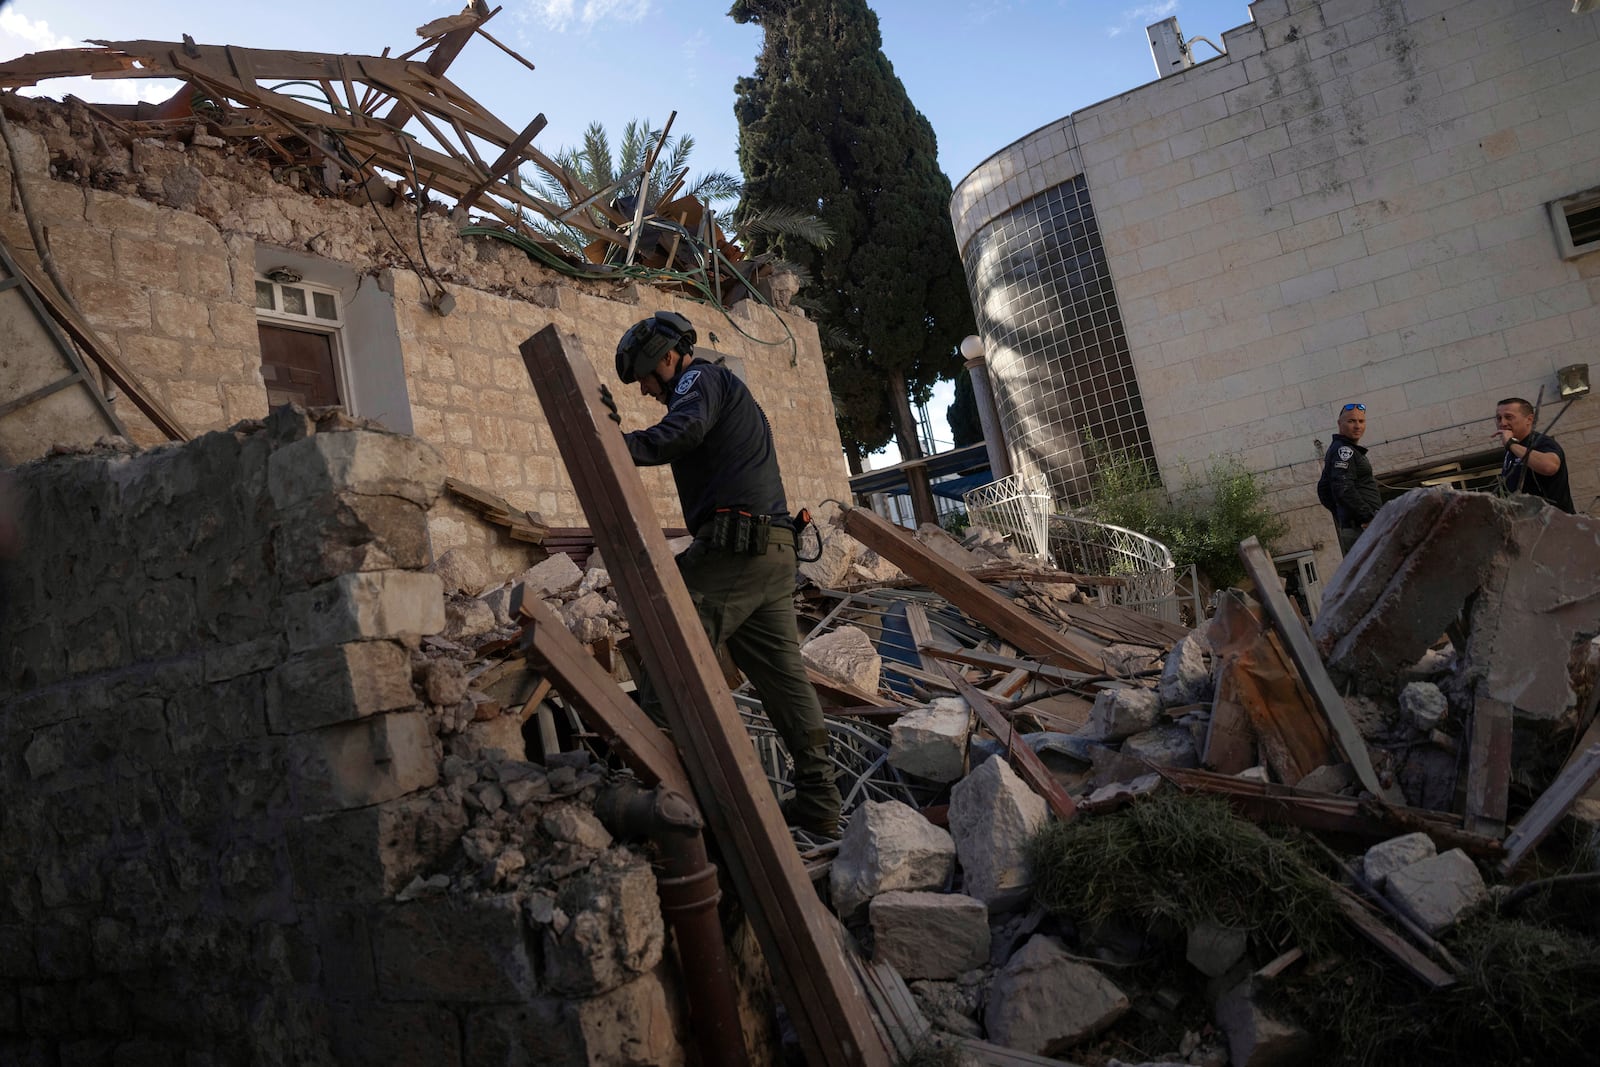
[[20, 35], [586, 15], [1138, 18]]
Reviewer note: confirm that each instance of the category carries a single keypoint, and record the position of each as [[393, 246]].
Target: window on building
[[300, 327], [1577, 223]]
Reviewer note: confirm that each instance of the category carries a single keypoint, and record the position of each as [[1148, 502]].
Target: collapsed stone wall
[[159, 241], [242, 818]]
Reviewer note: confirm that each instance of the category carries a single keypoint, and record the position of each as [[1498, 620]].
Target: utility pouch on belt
[[736, 530]]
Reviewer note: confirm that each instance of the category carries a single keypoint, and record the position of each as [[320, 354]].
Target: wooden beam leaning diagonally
[[796, 932], [563, 658], [1029, 767], [966, 592], [1304, 654]]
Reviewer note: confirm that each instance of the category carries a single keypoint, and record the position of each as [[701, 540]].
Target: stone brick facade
[[161, 243], [233, 828], [1350, 205]]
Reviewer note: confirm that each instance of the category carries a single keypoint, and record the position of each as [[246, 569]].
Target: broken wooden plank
[[966, 592], [1575, 778], [78, 328], [921, 634], [974, 658], [1396, 947], [1028, 765], [1304, 653], [1489, 766], [813, 978], [563, 659]]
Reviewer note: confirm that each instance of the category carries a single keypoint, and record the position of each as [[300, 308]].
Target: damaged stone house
[[1357, 201]]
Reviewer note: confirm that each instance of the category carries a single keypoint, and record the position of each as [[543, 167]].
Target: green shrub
[[1202, 523]]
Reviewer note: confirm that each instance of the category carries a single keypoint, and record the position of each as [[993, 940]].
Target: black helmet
[[648, 340]]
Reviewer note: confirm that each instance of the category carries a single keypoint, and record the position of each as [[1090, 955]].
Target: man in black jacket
[[1347, 488], [740, 569], [1533, 463]]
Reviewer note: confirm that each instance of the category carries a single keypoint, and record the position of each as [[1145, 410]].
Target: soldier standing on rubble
[[1347, 488], [1533, 463], [740, 569]]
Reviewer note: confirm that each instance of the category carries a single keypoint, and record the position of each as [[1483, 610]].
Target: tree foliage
[[1202, 523], [825, 122], [966, 428]]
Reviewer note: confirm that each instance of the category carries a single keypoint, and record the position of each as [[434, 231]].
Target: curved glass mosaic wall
[[1057, 355]]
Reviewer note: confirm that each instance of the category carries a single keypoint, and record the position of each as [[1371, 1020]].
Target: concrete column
[[988, 416]]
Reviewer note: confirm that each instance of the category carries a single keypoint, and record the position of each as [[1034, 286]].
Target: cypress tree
[[824, 121]]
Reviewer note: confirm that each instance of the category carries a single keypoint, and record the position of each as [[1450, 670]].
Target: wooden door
[[298, 367]]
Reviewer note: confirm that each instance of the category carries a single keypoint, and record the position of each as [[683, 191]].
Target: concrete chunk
[[1044, 1002], [888, 845], [1255, 1039], [1397, 853], [1185, 678], [1433, 893], [1423, 705], [358, 607], [1119, 713], [847, 654], [1164, 746], [992, 816], [551, 576], [931, 742], [930, 935]]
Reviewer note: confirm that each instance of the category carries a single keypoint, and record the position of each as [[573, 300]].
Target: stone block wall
[[1350, 205], [160, 242], [233, 828]]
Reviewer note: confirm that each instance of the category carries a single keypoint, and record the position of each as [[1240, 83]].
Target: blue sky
[[984, 72]]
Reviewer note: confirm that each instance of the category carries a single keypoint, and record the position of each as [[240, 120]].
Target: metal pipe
[[686, 881]]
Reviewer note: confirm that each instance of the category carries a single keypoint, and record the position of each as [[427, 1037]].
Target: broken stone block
[[1124, 660], [361, 461], [333, 535], [1119, 713], [464, 619], [445, 681], [1164, 746], [459, 573], [1330, 778], [1406, 580], [585, 608], [1255, 1039], [359, 607], [594, 579], [993, 814], [931, 742], [847, 654], [631, 1026], [455, 950], [1213, 949], [1397, 853], [1433, 893], [1044, 1002], [1423, 705], [951, 1006], [616, 933], [499, 602], [1540, 598], [1185, 678], [351, 765], [373, 852], [551, 577], [941, 544], [888, 845], [339, 683], [576, 826], [929, 935]]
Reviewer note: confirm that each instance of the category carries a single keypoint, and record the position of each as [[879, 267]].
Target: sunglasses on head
[[1354, 407]]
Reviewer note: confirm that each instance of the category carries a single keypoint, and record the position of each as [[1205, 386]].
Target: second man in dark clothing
[[1347, 488]]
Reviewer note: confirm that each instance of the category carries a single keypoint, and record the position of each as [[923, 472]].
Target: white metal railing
[[1022, 510]]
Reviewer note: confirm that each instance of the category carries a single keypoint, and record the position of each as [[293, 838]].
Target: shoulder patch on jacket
[[1345, 451], [687, 382]]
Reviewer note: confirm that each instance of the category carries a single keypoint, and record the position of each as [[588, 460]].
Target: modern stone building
[[1362, 201]]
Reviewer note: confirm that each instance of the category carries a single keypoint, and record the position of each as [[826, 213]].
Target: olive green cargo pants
[[747, 603]]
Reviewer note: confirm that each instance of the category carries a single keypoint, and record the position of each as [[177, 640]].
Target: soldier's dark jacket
[[717, 440], [1347, 487]]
